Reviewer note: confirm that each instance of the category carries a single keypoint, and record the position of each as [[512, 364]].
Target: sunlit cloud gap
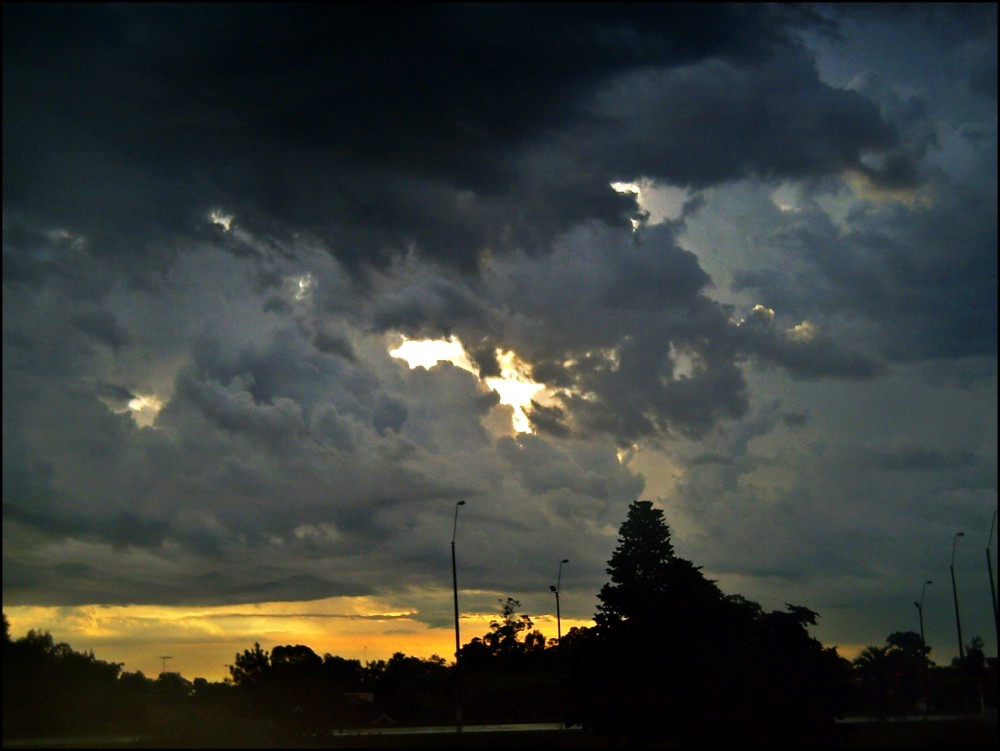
[[223, 220], [513, 385], [659, 203], [144, 409]]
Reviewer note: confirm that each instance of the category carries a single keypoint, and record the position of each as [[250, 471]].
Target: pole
[[454, 584], [954, 591], [555, 591], [558, 619], [920, 610], [923, 647], [989, 567]]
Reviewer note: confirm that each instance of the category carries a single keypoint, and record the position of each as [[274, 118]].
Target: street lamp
[[555, 590], [454, 584], [989, 567], [954, 591], [920, 612], [923, 644]]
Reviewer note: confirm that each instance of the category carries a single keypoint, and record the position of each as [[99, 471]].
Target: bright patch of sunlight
[[303, 286], [629, 188], [660, 202], [513, 385], [223, 220], [144, 408], [761, 314], [803, 332], [684, 364], [786, 198], [426, 353], [625, 454], [626, 187]]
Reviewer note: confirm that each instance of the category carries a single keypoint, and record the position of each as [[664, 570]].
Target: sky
[[283, 284]]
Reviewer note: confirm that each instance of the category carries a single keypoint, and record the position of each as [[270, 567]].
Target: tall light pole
[[989, 567], [954, 592], [923, 644], [920, 611], [454, 584], [555, 590]]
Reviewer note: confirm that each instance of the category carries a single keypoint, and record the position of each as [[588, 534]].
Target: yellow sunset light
[[515, 388], [223, 220], [203, 640], [426, 353], [513, 385]]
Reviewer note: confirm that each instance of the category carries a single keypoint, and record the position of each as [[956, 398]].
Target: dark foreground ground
[[956, 734]]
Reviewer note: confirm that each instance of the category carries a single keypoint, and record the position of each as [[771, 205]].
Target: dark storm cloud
[[459, 131], [620, 326], [960, 38], [925, 274], [718, 121], [427, 305], [115, 395], [915, 459], [103, 327], [801, 352], [372, 128], [69, 584]]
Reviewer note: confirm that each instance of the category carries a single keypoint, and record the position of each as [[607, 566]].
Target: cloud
[[922, 275], [316, 120], [921, 460], [721, 121], [801, 350]]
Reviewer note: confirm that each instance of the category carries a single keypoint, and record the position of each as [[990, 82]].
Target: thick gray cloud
[[718, 121], [372, 130]]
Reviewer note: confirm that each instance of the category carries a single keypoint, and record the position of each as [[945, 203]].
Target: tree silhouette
[[251, 668], [673, 660], [892, 677], [509, 675], [50, 688], [412, 690], [504, 639]]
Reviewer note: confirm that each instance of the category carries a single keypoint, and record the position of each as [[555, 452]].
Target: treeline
[[670, 659], [898, 678]]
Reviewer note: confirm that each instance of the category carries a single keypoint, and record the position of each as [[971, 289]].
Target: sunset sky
[[284, 283]]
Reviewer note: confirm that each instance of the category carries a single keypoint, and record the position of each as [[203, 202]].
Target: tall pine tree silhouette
[[673, 660]]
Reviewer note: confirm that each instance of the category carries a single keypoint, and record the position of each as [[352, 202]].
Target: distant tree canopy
[[892, 677], [672, 659], [293, 686], [50, 688], [510, 673], [899, 678], [511, 640]]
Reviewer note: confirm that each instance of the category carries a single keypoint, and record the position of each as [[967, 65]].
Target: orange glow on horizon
[[203, 641]]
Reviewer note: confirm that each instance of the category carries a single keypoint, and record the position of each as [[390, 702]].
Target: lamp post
[[920, 612], [954, 592], [555, 590], [923, 645], [989, 567], [454, 584]]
